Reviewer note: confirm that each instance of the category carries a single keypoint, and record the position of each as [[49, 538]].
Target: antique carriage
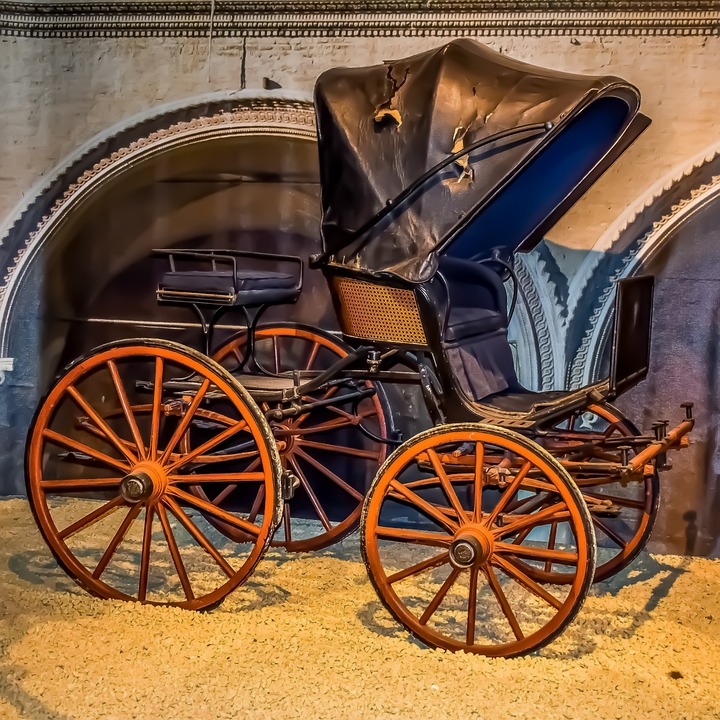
[[481, 533]]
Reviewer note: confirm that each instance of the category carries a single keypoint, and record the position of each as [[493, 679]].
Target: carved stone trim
[[541, 320], [251, 116], [6, 365], [643, 235], [309, 18]]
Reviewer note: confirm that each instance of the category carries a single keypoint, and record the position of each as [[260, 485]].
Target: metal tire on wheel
[[109, 435], [441, 541], [334, 465]]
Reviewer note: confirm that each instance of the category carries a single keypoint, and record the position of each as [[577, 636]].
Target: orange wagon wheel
[[108, 479], [445, 552], [325, 449], [623, 513]]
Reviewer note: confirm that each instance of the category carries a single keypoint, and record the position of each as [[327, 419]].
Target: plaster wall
[[58, 93]]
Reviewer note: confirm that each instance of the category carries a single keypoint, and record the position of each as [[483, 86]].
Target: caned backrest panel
[[379, 313]]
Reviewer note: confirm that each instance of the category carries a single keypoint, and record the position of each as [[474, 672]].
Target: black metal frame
[[197, 300]]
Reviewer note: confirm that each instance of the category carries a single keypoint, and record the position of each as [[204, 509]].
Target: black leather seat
[[225, 287], [478, 303]]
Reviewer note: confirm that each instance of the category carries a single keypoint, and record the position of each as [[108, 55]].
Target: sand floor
[[306, 637]]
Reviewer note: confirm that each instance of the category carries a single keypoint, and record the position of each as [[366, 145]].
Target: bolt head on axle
[[136, 487], [471, 548]]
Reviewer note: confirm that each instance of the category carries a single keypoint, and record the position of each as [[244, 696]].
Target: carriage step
[[289, 483]]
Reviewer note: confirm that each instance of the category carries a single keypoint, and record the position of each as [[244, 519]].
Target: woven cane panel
[[379, 313]]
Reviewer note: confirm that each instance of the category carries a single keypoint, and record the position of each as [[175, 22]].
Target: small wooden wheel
[[623, 513], [444, 542], [325, 449], [109, 435]]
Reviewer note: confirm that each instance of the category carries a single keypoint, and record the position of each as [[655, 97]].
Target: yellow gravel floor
[[306, 637]]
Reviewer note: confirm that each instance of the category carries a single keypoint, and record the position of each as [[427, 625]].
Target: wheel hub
[[472, 546], [147, 481], [283, 434]]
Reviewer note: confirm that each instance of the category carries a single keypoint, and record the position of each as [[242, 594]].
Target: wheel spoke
[[526, 505], [222, 458], [157, 403], [553, 513], [71, 444], [325, 396], [561, 557], [224, 435], [145, 553], [85, 424], [416, 537], [218, 499], [478, 481], [313, 355], [116, 540], [508, 494], [615, 500], [257, 504], [91, 518], [311, 495], [521, 578], [551, 544], [127, 410], [416, 569], [185, 421], [61, 486], [617, 539], [472, 607], [447, 485], [330, 475], [234, 477], [341, 449], [439, 596], [429, 509], [198, 536], [287, 523], [276, 354], [207, 507], [330, 424], [503, 601], [109, 433], [522, 535], [175, 553]]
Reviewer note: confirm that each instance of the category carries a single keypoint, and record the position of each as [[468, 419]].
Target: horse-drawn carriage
[[481, 533]]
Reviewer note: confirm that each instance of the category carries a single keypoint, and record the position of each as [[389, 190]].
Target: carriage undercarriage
[[481, 533], [218, 462]]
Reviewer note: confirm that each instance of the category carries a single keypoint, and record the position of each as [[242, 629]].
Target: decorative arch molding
[[637, 236], [538, 328], [79, 177]]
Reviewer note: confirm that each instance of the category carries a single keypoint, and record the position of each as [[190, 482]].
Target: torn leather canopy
[[382, 127]]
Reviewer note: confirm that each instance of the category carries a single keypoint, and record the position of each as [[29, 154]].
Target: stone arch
[[631, 242], [27, 361], [80, 177]]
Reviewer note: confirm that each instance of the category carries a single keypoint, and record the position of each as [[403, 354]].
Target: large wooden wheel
[[109, 481], [445, 544], [623, 512], [325, 449]]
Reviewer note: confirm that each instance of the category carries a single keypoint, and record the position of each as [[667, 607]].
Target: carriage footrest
[[674, 439]]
